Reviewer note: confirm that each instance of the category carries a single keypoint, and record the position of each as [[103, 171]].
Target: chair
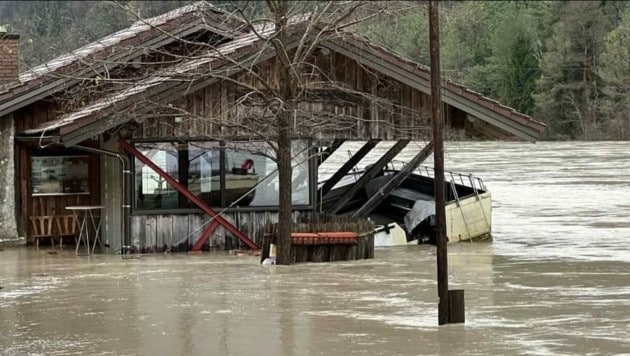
[[42, 227], [66, 226]]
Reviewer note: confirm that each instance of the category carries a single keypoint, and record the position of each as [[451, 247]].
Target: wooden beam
[[394, 182], [126, 146], [438, 165], [343, 170], [205, 236], [369, 175]]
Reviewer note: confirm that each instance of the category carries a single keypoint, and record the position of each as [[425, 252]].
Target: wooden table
[[84, 215]]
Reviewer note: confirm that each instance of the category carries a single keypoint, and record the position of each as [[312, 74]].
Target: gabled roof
[[115, 109], [167, 85], [418, 77], [119, 48]]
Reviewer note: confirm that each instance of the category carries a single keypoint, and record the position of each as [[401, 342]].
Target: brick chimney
[[8, 56]]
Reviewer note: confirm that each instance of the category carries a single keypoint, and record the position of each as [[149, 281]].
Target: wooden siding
[[400, 112], [28, 205], [177, 232]]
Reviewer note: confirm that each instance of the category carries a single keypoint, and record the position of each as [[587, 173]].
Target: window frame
[[312, 179]]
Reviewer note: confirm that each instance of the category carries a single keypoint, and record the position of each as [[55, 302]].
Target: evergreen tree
[[521, 75], [615, 71], [569, 89]]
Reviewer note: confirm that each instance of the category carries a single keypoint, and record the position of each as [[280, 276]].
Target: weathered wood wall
[[387, 109], [157, 233], [28, 205], [363, 249]]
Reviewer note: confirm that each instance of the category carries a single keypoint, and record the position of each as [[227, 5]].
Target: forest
[[564, 63]]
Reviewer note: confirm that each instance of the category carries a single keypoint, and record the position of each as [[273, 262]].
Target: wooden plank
[[150, 240], [179, 239], [369, 175], [394, 182], [343, 170], [164, 232], [137, 222], [22, 181]]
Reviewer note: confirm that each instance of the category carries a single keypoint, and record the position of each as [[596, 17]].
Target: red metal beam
[[188, 194], [206, 235]]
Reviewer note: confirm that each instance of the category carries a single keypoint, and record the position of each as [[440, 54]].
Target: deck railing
[[467, 180]]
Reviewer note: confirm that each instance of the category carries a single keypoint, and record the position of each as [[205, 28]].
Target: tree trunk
[[285, 172], [287, 85]]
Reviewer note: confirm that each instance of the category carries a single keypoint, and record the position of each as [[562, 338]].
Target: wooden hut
[[87, 127]]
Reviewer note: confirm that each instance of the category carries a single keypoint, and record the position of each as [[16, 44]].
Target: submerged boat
[[410, 208]]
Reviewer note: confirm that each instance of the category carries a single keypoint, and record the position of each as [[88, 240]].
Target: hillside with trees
[[564, 63]]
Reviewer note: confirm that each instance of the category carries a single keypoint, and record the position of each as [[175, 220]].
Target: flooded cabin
[[157, 142]]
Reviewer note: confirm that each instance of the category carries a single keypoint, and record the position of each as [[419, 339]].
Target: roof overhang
[[52, 77], [116, 109], [418, 77]]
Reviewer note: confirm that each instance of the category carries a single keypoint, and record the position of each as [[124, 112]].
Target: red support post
[[206, 235], [188, 194]]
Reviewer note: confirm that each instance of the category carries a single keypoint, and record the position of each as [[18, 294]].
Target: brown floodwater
[[555, 281]]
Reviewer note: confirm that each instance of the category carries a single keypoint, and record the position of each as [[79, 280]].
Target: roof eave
[[525, 128]]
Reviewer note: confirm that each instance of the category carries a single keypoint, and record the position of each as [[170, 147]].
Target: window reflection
[[152, 191], [204, 172], [249, 174]]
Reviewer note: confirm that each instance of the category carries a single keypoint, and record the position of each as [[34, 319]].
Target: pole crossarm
[[126, 146]]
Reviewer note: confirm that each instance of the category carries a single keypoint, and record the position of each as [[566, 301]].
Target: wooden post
[[456, 306], [438, 163]]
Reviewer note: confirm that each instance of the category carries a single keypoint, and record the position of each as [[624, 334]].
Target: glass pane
[[259, 185], [59, 174], [204, 172], [301, 169], [247, 164], [251, 177], [152, 191]]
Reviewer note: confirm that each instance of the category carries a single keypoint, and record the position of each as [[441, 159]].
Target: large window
[[59, 175], [236, 174]]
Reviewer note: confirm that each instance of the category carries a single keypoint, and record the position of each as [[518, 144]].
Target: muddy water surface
[[555, 281]]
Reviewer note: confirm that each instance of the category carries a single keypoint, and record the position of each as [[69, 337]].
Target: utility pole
[[438, 163]]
